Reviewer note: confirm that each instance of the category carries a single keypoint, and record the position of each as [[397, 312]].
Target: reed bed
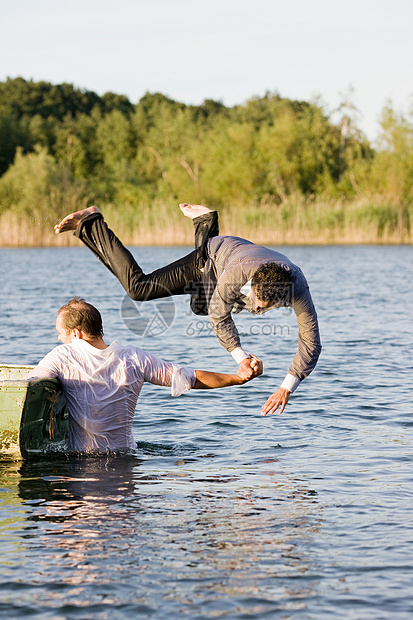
[[292, 222]]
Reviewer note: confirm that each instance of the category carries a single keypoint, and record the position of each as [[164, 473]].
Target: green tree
[[36, 186], [392, 169]]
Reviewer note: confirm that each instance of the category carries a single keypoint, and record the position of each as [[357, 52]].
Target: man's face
[[62, 335], [258, 303]]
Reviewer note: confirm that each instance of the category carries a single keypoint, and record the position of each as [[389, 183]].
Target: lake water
[[223, 513]]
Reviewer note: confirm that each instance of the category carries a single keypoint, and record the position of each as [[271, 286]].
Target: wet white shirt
[[102, 387]]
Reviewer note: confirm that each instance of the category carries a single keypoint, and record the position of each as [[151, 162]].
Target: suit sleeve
[[309, 344], [222, 301]]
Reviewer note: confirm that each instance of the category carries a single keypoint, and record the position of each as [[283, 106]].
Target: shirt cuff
[[290, 383], [183, 379], [239, 354]]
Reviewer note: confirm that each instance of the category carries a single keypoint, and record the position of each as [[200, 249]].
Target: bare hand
[[256, 365], [279, 399], [249, 368], [245, 370]]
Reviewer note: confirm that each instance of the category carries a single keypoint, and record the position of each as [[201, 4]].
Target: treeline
[[278, 170]]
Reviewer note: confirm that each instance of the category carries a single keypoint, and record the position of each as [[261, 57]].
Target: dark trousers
[[177, 278]]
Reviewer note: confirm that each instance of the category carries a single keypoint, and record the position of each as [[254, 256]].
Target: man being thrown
[[102, 383], [214, 274]]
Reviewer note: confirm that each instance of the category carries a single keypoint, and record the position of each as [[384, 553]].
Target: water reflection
[[78, 478], [203, 521], [90, 524]]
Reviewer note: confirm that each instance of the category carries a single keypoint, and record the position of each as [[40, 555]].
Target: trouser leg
[[206, 227], [173, 279]]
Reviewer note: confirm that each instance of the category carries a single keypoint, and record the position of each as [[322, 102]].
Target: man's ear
[[77, 334]]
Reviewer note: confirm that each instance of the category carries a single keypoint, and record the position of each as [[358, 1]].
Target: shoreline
[[293, 223], [73, 242]]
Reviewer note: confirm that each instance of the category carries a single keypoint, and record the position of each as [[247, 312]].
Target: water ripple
[[220, 512]]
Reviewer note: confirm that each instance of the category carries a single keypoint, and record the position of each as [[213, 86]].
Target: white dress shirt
[[102, 387]]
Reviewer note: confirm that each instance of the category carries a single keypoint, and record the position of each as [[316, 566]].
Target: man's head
[[269, 284], [78, 319]]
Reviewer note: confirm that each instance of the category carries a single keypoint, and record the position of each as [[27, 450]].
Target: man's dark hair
[[272, 282], [78, 314]]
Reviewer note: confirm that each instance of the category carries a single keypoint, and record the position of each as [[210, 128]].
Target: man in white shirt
[[102, 383]]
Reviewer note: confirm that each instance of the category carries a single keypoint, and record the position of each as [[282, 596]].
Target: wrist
[[239, 355], [290, 383], [240, 381]]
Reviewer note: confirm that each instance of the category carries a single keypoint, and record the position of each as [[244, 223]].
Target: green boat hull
[[34, 418]]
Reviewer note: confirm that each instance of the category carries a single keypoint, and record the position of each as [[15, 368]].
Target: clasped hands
[[249, 368], [252, 367]]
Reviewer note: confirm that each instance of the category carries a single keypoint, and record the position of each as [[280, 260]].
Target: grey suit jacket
[[231, 263]]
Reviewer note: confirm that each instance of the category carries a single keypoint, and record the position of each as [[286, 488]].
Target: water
[[223, 513]]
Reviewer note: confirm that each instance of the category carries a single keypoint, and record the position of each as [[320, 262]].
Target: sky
[[226, 50]]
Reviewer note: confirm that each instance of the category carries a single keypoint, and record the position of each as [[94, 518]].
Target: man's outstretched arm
[[210, 380], [309, 348]]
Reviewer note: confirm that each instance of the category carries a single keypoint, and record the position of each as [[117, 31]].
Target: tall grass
[[295, 221]]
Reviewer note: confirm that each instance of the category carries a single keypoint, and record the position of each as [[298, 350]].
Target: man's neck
[[98, 343]]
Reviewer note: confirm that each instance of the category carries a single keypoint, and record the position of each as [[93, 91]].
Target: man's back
[[231, 253], [102, 388]]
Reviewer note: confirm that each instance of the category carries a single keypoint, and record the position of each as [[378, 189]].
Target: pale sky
[[227, 50]]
